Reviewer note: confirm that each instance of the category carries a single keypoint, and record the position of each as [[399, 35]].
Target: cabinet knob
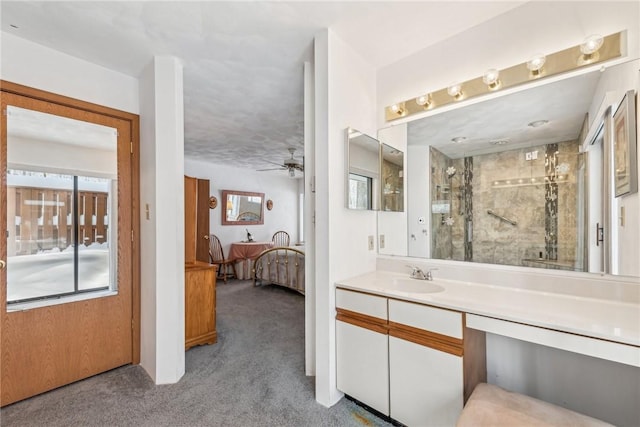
[[206, 237], [2, 264]]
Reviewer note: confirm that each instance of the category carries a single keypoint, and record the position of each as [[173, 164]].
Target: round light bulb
[[424, 100], [455, 90], [536, 63], [395, 108], [591, 44], [490, 78]]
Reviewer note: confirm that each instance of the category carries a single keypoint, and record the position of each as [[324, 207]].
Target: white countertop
[[591, 317]]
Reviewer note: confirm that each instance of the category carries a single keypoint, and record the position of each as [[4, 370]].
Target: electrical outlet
[[527, 156], [370, 243], [381, 244], [534, 155]]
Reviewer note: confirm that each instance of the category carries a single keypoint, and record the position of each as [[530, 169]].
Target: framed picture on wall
[[625, 163]]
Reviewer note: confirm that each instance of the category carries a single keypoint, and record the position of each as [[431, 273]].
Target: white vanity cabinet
[[416, 363], [362, 358], [425, 364]]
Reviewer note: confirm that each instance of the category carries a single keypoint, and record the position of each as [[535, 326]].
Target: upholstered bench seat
[[490, 405]]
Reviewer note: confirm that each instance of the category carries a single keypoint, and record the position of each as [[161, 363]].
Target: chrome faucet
[[417, 273]]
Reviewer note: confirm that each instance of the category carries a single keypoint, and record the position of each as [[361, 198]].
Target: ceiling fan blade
[[274, 169], [274, 163]]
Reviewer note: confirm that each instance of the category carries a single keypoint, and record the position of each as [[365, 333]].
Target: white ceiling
[[243, 61]]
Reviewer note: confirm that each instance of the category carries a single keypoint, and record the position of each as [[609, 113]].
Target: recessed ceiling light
[[459, 139], [500, 142], [538, 123]]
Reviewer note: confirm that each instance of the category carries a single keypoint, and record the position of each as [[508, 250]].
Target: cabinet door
[[426, 385], [200, 305], [363, 365]]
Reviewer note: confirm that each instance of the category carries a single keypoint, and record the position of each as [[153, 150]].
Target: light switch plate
[[370, 243], [381, 244]]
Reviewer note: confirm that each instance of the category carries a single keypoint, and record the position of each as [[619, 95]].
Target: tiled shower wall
[[539, 195]]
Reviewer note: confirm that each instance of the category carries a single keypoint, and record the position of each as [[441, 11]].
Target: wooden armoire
[[200, 275]]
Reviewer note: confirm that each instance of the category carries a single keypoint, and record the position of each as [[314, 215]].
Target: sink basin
[[414, 286]]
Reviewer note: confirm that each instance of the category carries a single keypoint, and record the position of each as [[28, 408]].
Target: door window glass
[[61, 192]]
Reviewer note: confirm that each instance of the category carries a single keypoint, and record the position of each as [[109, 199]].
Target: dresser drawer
[[440, 321], [362, 303]]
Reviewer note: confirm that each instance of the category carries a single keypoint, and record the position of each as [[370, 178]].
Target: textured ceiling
[[563, 104], [243, 61]]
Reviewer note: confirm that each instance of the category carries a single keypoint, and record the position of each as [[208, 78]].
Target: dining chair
[[280, 238], [216, 253]]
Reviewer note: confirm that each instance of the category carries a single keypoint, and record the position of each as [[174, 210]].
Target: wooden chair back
[[280, 238], [215, 250]]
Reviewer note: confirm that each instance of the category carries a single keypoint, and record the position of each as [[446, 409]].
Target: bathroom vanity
[[414, 350]]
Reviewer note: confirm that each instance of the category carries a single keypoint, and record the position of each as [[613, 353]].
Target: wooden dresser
[[200, 276]]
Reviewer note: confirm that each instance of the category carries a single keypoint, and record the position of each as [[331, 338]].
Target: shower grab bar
[[492, 213]]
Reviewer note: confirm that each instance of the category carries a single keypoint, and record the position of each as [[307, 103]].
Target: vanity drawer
[[443, 322], [362, 303]]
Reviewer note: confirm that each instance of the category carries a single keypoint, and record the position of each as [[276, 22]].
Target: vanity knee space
[[415, 363]]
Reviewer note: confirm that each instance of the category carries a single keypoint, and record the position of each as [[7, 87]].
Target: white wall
[[40, 67], [504, 41], [309, 218], [344, 97], [282, 190], [418, 203], [162, 233]]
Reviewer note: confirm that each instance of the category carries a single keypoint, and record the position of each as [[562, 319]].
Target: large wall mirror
[[525, 179], [242, 208]]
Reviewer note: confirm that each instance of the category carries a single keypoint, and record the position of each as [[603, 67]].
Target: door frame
[[134, 125]]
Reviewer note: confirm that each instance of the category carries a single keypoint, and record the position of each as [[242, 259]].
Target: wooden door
[[196, 219], [53, 342], [202, 219]]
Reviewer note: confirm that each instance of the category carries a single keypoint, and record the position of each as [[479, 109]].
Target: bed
[[282, 266]]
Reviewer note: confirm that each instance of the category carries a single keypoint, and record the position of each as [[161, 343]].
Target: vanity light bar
[[553, 64]]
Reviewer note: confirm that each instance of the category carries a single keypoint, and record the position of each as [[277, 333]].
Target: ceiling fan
[[291, 164]]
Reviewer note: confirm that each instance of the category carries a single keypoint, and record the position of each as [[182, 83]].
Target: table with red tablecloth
[[244, 253]]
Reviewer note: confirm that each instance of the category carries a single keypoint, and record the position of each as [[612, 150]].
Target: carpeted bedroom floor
[[253, 376]]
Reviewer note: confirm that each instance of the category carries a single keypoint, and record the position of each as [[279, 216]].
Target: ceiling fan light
[[292, 172]]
